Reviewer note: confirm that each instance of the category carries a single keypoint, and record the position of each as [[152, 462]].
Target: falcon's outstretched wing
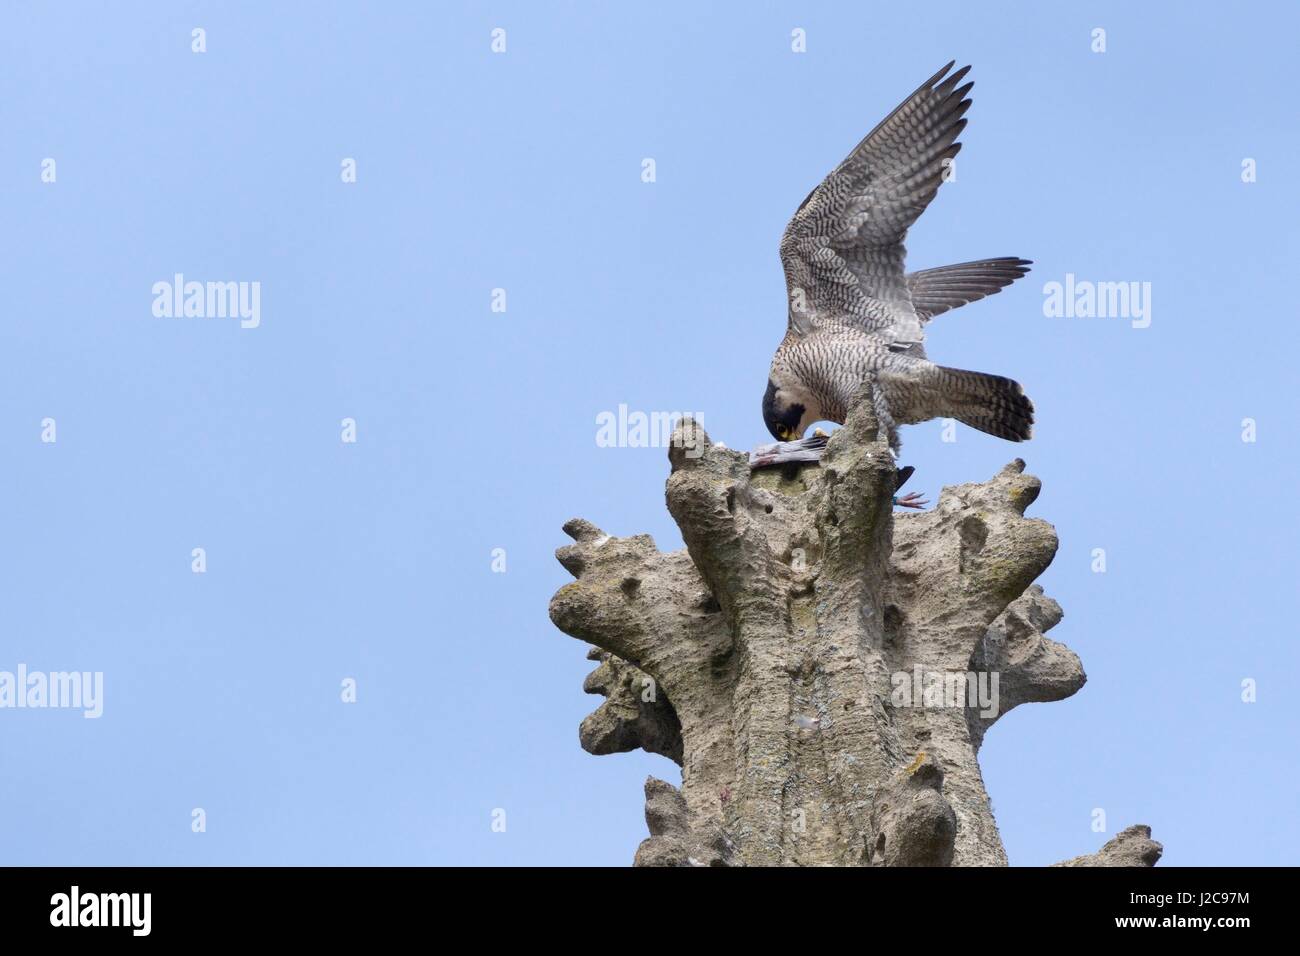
[[935, 291], [843, 250]]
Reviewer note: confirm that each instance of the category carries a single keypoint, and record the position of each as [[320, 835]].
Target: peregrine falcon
[[855, 315]]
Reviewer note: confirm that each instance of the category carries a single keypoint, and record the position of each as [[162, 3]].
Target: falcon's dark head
[[785, 417]]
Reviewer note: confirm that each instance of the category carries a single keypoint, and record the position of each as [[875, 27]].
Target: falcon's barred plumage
[[855, 315]]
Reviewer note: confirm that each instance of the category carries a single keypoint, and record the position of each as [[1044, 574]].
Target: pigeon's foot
[[913, 499]]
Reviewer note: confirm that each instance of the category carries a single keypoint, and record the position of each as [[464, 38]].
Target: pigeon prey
[[856, 316]]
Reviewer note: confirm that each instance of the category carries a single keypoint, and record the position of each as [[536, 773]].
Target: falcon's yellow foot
[[818, 433]]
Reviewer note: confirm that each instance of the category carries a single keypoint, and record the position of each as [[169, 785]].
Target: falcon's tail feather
[[993, 404]]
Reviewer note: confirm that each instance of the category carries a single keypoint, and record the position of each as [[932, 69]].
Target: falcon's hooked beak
[[783, 417]]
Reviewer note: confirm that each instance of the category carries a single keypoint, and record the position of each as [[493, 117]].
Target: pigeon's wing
[[935, 291], [843, 250]]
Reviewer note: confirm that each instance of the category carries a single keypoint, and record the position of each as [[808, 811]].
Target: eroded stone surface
[[776, 648]]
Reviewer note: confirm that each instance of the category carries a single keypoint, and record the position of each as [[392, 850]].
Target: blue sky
[[476, 429]]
